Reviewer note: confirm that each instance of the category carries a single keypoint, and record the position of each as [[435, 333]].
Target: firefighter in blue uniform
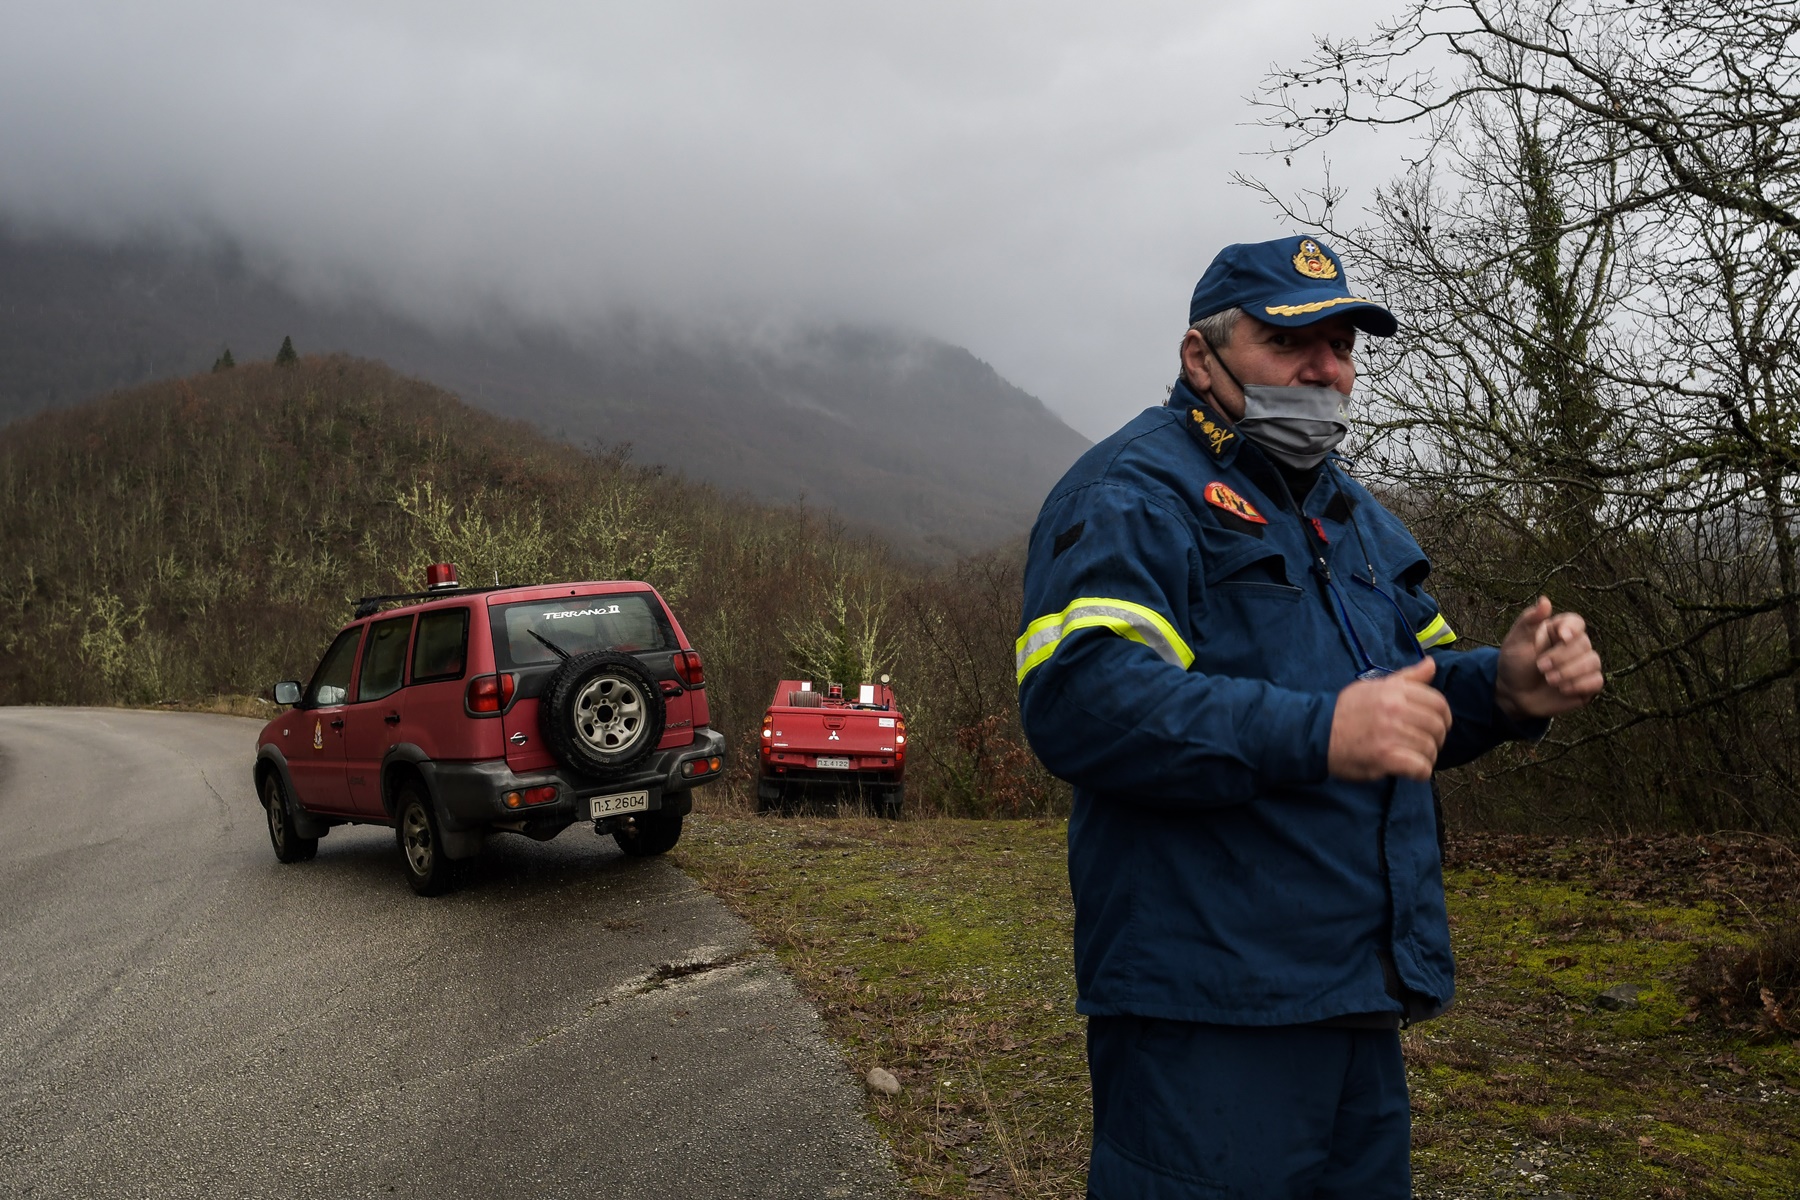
[[1229, 652]]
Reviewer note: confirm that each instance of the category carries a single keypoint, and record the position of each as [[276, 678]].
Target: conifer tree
[[224, 362], [285, 357]]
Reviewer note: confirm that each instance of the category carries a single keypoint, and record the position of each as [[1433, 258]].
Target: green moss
[[1633, 1101], [941, 950]]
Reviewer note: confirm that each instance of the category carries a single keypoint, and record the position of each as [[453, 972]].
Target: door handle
[[337, 723], [392, 718]]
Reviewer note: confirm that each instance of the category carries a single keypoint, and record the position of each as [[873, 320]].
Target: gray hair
[[1217, 327]]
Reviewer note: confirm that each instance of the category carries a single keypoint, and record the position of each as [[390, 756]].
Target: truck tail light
[[688, 668], [768, 733], [490, 693], [899, 739], [702, 766]]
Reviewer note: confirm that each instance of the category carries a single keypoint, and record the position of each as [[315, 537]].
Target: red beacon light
[[440, 577]]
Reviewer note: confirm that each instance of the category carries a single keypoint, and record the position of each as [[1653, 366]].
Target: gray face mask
[[1296, 426]]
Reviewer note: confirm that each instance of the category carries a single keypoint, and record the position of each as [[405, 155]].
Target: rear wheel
[[429, 870], [290, 847], [649, 833], [891, 802]]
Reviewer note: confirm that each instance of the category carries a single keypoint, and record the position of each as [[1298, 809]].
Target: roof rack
[[369, 605]]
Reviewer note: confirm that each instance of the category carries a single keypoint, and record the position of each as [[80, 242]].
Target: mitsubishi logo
[[834, 737]]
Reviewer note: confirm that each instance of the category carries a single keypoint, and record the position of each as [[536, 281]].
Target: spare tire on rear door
[[601, 712]]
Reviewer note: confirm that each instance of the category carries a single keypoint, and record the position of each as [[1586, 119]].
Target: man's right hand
[[1394, 725]]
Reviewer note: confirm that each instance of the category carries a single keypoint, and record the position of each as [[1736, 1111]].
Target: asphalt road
[[184, 1016]]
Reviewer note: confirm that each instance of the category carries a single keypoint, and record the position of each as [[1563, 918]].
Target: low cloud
[[1041, 183]]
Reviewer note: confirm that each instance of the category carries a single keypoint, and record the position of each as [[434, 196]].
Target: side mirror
[[287, 692]]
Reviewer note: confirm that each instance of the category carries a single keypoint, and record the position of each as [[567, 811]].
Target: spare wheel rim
[[610, 714], [416, 831]]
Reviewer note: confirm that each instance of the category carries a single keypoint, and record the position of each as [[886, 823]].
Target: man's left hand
[[1547, 665]]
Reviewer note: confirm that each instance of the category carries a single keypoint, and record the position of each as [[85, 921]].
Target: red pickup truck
[[819, 739]]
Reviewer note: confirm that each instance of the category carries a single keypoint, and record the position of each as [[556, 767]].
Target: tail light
[[768, 733], [489, 693], [688, 668], [530, 796], [899, 739]]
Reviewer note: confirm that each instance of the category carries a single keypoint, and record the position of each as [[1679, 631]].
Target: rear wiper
[[554, 648]]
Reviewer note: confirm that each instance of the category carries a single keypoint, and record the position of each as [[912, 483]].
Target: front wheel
[[649, 833], [429, 870], [290, 847]]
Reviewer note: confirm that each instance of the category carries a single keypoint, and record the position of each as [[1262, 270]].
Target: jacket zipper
[[1322, 568]]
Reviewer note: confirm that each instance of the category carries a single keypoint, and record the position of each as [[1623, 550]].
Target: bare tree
[[1597, 390]]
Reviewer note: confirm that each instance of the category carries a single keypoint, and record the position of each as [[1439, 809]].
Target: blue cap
[[1289, 281]]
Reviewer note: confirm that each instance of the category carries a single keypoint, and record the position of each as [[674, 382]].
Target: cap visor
[[1306, 308]]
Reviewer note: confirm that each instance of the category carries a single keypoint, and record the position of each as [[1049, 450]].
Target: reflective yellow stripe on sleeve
[[1128, 620], [1438, 633]]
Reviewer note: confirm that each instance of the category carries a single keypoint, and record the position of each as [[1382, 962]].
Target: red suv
[[467, 711]]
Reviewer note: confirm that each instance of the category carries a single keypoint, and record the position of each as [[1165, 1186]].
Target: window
[[331, 682], [441, 646], [631, 622], [384, 659]]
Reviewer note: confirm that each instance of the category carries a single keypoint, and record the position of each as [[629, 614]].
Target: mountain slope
[[206, 535], [908, 434]]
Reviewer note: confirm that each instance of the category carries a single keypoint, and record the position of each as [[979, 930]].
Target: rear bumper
[[811, 776], [471, 796]]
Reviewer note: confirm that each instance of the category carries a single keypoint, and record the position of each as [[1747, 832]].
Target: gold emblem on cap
[[1312, 263]]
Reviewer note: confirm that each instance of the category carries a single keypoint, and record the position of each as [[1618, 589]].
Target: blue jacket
[[1185, 637]]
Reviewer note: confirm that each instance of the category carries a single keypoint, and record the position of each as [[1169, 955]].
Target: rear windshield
[[632, 623]]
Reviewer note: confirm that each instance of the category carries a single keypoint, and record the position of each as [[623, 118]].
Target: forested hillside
[[901, 433], [206, 535]]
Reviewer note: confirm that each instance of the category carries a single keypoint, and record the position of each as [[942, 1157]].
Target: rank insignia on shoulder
[[1224, 497], [1215, 434]]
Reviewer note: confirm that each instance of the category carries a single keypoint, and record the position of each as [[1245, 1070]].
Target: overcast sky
[[1040, 182]]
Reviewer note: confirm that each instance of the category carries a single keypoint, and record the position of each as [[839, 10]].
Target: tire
[[769, 796], [601, 713], [429, 870], [290, 847], [650, 833], [891, 802]]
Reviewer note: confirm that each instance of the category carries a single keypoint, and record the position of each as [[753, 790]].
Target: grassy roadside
[[939, 950]]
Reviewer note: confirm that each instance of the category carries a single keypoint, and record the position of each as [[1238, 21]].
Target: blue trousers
[[1184, 1111]]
